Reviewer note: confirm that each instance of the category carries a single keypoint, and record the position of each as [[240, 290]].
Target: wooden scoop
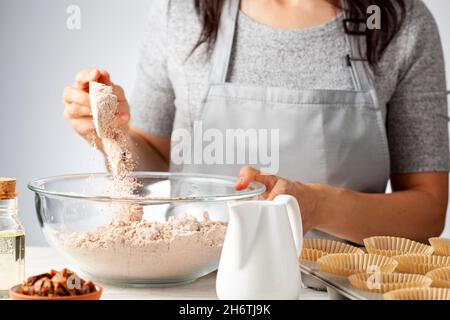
[[103, 107]]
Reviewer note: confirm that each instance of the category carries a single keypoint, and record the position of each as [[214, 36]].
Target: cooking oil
[[12, 238], [12, 260]]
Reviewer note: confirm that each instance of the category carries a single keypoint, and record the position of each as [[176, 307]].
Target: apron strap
[[224, 42], [356, 42]]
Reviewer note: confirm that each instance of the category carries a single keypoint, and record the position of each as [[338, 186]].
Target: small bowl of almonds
[[56, 285]]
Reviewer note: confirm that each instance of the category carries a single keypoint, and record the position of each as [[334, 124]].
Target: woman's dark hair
[[392, 16]]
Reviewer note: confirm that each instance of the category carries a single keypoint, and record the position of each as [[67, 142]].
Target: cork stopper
[[7, 188]]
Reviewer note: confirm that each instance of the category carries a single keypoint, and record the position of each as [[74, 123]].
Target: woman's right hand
[[78, 108]]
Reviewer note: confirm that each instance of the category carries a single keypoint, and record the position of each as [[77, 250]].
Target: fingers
[[78, 107], [78, 104], [91, 74], [73, 95], [84, 126], [249, 174], [122, 107], [104, 77], [119, 92], [246, 175], [75, 110], [83, 77], [274, 185], [282, 186], [122, 118], [82, 122]]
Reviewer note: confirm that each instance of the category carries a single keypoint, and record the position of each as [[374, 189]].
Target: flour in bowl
[[133, 249]]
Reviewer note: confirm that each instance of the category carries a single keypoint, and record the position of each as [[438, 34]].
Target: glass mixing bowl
[[170, 232]]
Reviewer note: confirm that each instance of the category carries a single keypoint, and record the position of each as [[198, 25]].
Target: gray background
[[39, 56]]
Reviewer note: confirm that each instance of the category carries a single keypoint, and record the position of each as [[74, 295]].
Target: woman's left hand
[[309, 196]]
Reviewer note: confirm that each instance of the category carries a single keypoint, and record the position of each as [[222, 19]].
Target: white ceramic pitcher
[[260, 254]]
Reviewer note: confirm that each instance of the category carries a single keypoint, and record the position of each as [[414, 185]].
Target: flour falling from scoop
[[115, 142]]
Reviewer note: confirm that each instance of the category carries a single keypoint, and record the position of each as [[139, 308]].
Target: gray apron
[[331, 137]]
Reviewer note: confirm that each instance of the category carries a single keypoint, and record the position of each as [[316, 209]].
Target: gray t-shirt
[[411, 78]]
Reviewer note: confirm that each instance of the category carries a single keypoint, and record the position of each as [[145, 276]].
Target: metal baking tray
[[338, 287]]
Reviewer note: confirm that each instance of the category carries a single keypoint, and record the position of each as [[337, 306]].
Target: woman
[[353, 106]]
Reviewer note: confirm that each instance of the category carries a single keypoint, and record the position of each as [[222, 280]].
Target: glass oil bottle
[[12, 239]]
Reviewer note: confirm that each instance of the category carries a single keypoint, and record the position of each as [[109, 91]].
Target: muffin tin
[[339, 287]]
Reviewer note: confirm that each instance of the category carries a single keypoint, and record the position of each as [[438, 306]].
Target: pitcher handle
[[295, 219]]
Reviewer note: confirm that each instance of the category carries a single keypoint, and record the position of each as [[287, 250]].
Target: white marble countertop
[[42, 259]]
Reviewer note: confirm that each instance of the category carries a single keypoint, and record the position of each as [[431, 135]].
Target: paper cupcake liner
[[420, 264], [384, 282], [312, 254], [313, 249], [418, 294], [330, 246], [394, 246], [440, 277], [441, 246], [345, 264]]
